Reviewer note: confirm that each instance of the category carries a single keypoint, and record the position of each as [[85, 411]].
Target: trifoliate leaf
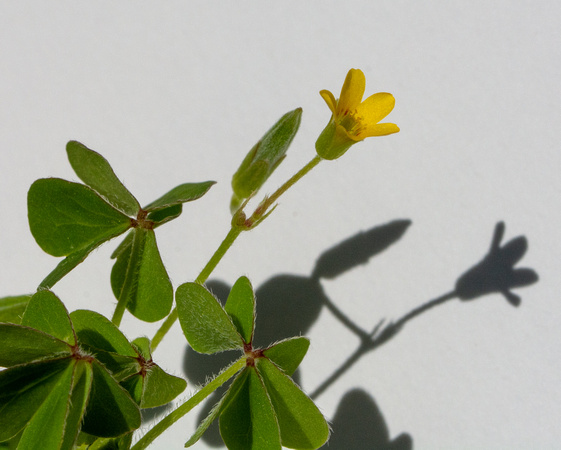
[[67, 217], [248, 420], [302, 425], [241, 308], [45, 312], [206, 325], [94, 170]]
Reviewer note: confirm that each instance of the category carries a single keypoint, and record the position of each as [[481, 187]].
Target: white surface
[[175, 91]]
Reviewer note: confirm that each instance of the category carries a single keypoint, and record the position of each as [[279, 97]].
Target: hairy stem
[[232, 235], [218, 254], [262, 209], [178, 413], [203, 276]]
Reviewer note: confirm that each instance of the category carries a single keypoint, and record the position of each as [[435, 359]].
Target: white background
[[179, 91]]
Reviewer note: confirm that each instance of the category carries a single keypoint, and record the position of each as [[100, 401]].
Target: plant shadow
[[358, 424], [288, 305]]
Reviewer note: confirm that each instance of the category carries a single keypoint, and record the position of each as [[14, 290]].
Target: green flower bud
[[264, 158]]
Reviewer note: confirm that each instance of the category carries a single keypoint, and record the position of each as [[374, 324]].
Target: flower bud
[[264, 158]]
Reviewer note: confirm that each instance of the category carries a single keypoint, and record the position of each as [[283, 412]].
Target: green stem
[[203, 276], [164, 328], [234, 232], [218, 254], [119, 312], [178, 413], [262, 209]]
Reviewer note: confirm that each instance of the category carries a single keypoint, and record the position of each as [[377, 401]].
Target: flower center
[[352, 123]]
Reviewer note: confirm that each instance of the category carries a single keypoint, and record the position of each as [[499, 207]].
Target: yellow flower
[[352, 119]]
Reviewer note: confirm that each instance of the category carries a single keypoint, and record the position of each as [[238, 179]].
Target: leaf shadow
[[358, 424], [288, 305]]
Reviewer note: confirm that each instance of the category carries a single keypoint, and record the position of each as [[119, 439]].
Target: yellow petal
[[329, 99], [351, 92], [380, 129], [375, 108]]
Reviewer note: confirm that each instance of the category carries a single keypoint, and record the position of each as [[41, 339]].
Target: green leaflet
[[94, 170], [288, 353], [21, 345], [139, 277], [111, 412], [164, 215], [96, 331], [67, 217], [160, 387], [302, 425], [180, 194], [240, 306], [48, 422], [142, 347], [45, 312], [248, 421], [12, 308], [206, 325], [23, 389]]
